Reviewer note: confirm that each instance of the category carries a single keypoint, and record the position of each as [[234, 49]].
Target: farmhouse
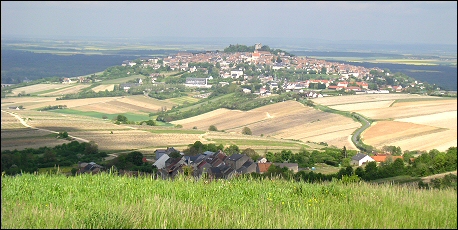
[[383, 158], [236, 73], [291, 166], [127, 86], [360, 159], [90, 167], [263, 167], [197, 82]]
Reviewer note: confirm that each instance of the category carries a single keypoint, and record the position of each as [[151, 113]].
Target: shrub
[[246, 131], [212, 128]]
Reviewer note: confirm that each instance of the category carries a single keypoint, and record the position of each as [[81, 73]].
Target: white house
[[360, 159], [160, 163], [236, 73]]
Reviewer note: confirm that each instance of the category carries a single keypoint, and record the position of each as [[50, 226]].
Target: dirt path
[[429, 178], [47, 130]]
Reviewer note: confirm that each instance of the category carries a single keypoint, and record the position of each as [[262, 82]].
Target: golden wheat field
[[71, 89], [419, 123], [283, 120], [38, 88], [109, 87], [362, 98], [412, 122], [15, 135]]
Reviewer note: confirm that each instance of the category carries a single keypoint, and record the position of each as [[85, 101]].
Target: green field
[[184, 131], [110, 201], [182, 100], [123, 80], [258, 142], [130, 116]]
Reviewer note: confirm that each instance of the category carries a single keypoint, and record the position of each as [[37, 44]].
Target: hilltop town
[[277, 71]]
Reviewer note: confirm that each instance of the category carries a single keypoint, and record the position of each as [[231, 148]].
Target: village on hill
[[273, 71]]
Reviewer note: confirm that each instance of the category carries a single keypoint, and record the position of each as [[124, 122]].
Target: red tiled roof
[[383, 158], [263, 167]]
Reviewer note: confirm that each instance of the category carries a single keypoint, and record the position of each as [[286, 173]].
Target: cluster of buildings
[[360, 158], [263, 60], [215, 165]]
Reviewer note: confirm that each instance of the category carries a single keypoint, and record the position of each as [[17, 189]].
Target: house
[[335, 87], [354, 88], [127, 86], [263, 167], [397, 88], [160, 152], [291, 166], [245, 90], [248, 167], [67, 81], [90, 167], [262, 160], [343, 84], [363, 85], [360, 159], [221, 172], [384, 158], [236, 160], [197, 82], [236, 73], [160, 163]]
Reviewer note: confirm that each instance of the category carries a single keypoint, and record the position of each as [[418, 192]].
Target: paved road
[[366, 125]]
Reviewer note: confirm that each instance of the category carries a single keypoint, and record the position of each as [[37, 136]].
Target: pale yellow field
[[99, 88], [363, 105], [38, 88], [410, 109], [287, 120], [417, 125], [446, 120], [72, 103], [10, 122], [17, 136], [349, 99], [68, 90], [135, 139]]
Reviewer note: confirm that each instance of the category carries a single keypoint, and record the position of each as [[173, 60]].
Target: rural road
[[366, 125], [47, 130], [111, 155]]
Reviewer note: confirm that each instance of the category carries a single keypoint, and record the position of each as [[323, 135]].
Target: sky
[[405, 22]]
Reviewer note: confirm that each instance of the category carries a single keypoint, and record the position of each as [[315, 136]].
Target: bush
[[246, 131], [212, 128]]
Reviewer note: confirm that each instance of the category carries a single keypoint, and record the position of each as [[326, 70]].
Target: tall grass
[[109, 201]]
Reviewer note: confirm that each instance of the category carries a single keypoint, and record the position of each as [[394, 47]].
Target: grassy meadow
[[109, 201]]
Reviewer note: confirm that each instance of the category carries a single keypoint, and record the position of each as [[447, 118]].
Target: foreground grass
[[109, 201]]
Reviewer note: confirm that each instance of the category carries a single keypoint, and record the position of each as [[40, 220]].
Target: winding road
[[358, 132]]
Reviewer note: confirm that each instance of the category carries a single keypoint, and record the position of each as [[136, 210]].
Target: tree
[[344, 152], [135, 157], [232, 149], [91, 148], [323, 70], [371, 171], [252, 154], [121, 118], [212, 128], [175, 154], [246, 131]]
